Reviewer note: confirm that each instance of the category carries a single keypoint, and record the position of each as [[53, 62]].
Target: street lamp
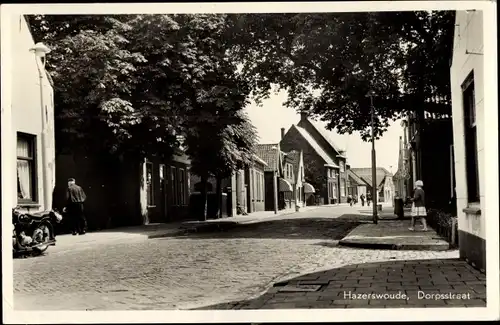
[[374, 160], [41, 50]]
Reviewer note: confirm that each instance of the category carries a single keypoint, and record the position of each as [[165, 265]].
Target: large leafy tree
[[329, 62], [98, 72], [218, 147], [133, 83], [136, 84]]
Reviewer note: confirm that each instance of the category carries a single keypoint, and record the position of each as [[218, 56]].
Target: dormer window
[[342, 167]]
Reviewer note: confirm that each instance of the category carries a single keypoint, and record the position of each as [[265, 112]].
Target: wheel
[[41, 234]]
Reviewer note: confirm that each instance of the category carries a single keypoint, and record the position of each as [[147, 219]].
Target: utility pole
[[374, 163]]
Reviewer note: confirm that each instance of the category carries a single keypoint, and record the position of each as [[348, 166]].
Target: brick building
[[324, 163]]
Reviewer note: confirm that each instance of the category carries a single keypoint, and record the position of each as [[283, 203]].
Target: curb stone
[[384, 246]]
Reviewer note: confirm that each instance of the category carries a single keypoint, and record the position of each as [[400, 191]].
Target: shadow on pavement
[[328, 288], [149, 230], [293, 228], [368, 218]]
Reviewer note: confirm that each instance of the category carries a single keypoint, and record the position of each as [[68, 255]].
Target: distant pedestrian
[[418, 210], [362, 198], [368, 198], [75, 198], [350, 199]]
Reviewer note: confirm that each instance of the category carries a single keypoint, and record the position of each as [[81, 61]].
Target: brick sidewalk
[[398, 284], [394, 234]]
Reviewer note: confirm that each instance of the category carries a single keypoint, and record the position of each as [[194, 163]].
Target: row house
[[402, 175], [242, 193], [255, 186], [427, 155], [274, 182], [469, 126], [301, 189], [284, 178], [124, 192], [324, 163], [28, 149]]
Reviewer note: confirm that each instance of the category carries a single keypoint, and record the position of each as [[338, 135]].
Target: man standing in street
[[75, 197]]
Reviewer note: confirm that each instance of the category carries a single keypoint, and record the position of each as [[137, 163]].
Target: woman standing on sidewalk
[[418, 210]]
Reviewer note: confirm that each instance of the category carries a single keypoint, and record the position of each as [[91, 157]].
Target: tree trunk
[[219, 197], [204, 196]]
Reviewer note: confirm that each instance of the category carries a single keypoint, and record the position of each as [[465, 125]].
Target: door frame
[[164, 191]]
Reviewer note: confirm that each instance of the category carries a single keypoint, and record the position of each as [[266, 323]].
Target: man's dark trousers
[[77, 217]]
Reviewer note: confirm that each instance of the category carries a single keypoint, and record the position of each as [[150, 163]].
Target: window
[[26, 174], [182, 187], [470, 130], [342, 168], [149, 184], [342, 188], [289, 171], [302, 176], [173, 179], [257, 185]]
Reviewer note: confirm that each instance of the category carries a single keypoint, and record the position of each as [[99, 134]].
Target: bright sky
[[273, 115]]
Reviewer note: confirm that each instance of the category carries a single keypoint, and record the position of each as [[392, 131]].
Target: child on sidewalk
[[418, 210]]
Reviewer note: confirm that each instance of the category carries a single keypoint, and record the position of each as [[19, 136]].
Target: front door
[[163, 191]]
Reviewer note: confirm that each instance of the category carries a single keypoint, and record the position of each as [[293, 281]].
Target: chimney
[[303, 116], [282, 133]]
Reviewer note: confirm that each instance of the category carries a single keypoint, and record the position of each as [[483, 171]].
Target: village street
[[130, 272]]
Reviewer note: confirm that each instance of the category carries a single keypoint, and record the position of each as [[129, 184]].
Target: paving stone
[[226, 268], [350, 302], [475, 303], [280, 305]]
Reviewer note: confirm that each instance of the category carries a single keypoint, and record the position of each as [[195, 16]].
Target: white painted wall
[[27, 108], [468, 36], [361, 190], [389, 189]]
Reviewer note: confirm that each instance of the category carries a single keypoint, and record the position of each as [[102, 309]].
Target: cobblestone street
[[193, 271]]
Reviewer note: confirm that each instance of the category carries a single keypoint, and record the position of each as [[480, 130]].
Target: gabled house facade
[[357, 186], [469, 127], [301, 189], [28, 143], [384, 181], [324, 163], [286, 196]]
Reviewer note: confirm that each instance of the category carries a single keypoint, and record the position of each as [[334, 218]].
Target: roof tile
[[269, 153], [315, 146], [366, 174]]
